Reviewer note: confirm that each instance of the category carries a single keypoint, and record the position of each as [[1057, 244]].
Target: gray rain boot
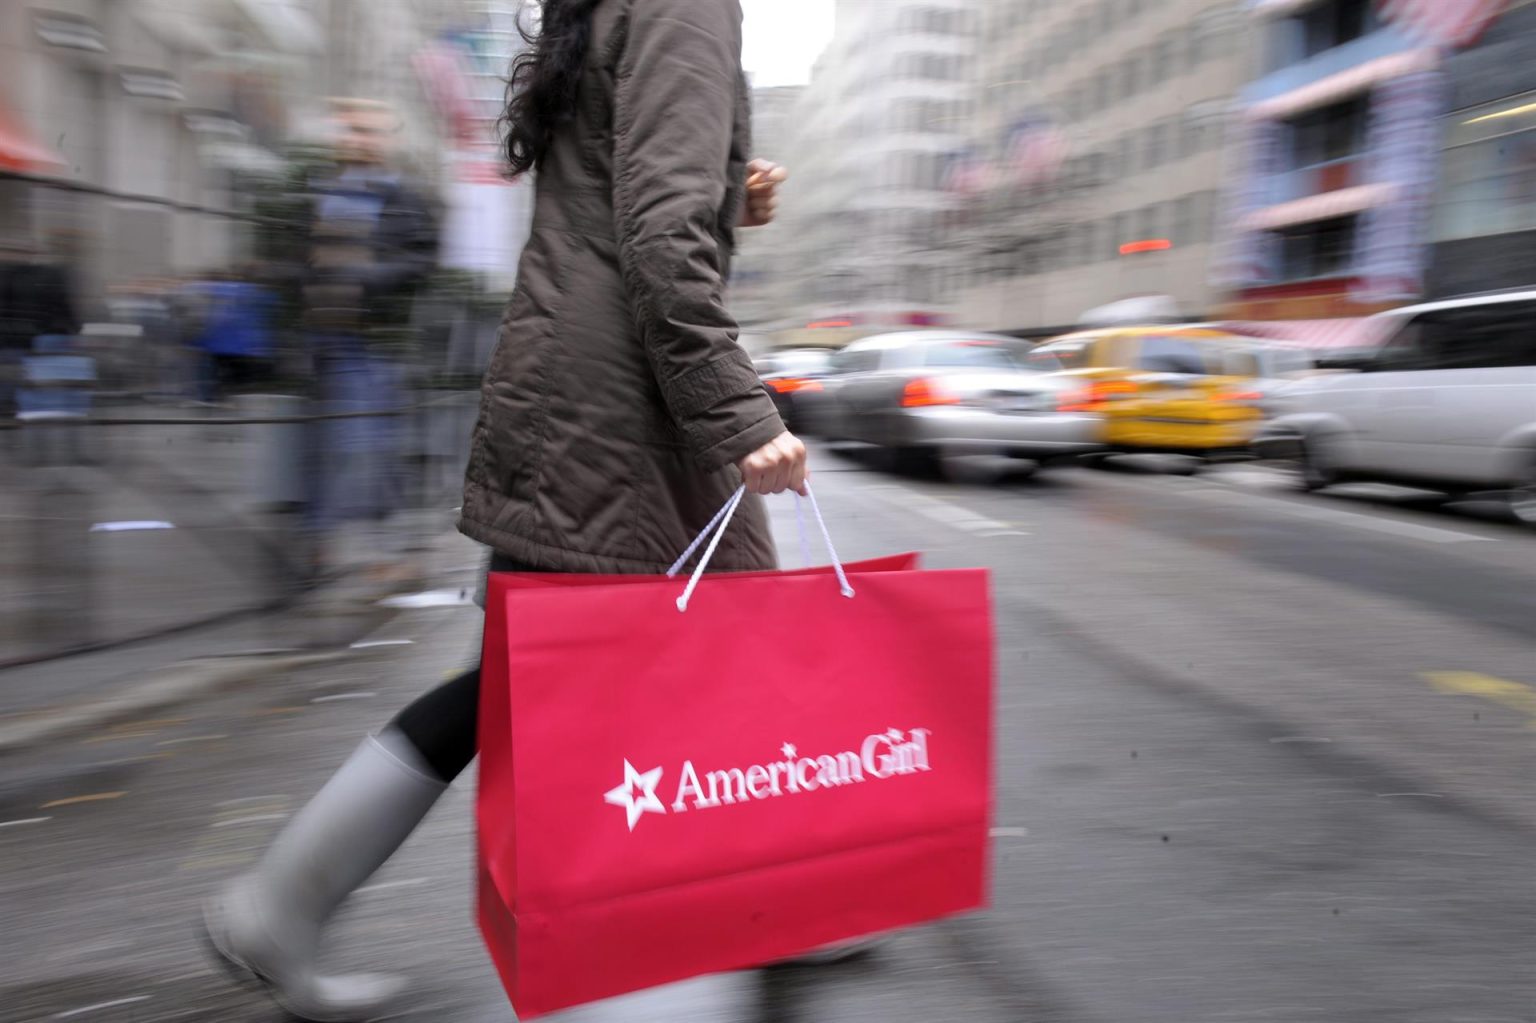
[[267, 924]]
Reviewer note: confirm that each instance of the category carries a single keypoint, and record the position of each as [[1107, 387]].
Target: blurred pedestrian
[[618, 414], [234, 334], [372, 240]]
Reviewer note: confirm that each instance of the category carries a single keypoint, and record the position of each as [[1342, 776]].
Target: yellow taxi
[[1171, 389]]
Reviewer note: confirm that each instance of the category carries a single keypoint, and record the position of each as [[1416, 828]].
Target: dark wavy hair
[[542, 88]]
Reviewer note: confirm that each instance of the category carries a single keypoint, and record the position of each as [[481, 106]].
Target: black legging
[[443, 723]]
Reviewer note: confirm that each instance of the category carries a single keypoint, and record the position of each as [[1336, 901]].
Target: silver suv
[[1447, 403]]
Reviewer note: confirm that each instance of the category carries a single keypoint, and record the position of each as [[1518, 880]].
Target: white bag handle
[[717, 526]]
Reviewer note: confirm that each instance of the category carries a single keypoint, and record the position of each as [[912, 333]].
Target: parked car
[[927, 395], [790, 373], [1449, 403], [1173, 390]]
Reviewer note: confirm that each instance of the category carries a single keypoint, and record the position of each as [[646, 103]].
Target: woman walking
[[618, 414]]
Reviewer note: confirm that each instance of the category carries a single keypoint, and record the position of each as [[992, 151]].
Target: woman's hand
[[763, 180], [775, 467]]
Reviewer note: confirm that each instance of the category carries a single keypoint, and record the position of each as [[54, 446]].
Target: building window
[[1322, 249], [1093, 246], [1165, 60], [1488, 185], [1335, 23], [1130, 80], [1125, 155], [1201, 127], [1157, 145], [1184, 221], [1334, 132], [1207, 35]]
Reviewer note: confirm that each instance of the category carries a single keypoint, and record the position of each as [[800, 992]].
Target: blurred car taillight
[[1077, 401], [1096, 396], [924, 393], [793, 385], [1239, 396]]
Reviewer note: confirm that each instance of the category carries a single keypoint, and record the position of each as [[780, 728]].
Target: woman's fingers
[[777, 466]]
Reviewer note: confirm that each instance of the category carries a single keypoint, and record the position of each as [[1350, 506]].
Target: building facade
[[1483, 231], [1097, 156], [763, 276], [871, 135], [1330, 209]]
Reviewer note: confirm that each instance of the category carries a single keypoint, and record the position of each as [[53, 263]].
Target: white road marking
[[259, 818], [1253, 479], [130, 527], [1409, 530], [1409, 795], [415, 882], [252, 799], [1298, 738], [369, 644], [339, 697], [949, 514], [103, 1005], [24, 821], [191, 739], [1010, 832], [431, 598]]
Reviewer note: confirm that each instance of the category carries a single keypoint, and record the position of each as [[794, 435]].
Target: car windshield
[[796, 363], [978, 354], [1059, 355]]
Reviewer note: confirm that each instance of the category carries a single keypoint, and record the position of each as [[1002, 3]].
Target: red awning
[[19, 152], [1351, 332]]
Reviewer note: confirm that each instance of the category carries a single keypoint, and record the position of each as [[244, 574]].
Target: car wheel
[[983, 468], [1522, 496], [1314, 469], [916, 461]]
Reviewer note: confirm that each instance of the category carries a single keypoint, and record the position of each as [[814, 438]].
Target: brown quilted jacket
[[618, 399]]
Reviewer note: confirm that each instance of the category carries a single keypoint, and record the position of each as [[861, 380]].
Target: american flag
[[967, 174], [1037, 148], [1449, 23]]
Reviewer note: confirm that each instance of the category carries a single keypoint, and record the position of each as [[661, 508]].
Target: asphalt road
[[1262, 757]]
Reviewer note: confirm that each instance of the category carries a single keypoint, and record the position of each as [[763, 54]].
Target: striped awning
[[1355, 332], [1323, 206], [1338, 87], [1449, 23]]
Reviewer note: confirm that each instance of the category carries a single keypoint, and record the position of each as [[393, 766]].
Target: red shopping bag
[[495, 829], [670, 793]]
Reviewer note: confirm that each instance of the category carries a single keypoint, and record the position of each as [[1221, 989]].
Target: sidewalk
[[170, 526], [71, 694]]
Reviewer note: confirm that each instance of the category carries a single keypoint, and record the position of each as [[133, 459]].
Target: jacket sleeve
[[674, 115]]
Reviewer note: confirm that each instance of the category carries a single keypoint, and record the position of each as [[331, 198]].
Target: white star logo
[[637, 795], [896, 735], [789, 751]]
